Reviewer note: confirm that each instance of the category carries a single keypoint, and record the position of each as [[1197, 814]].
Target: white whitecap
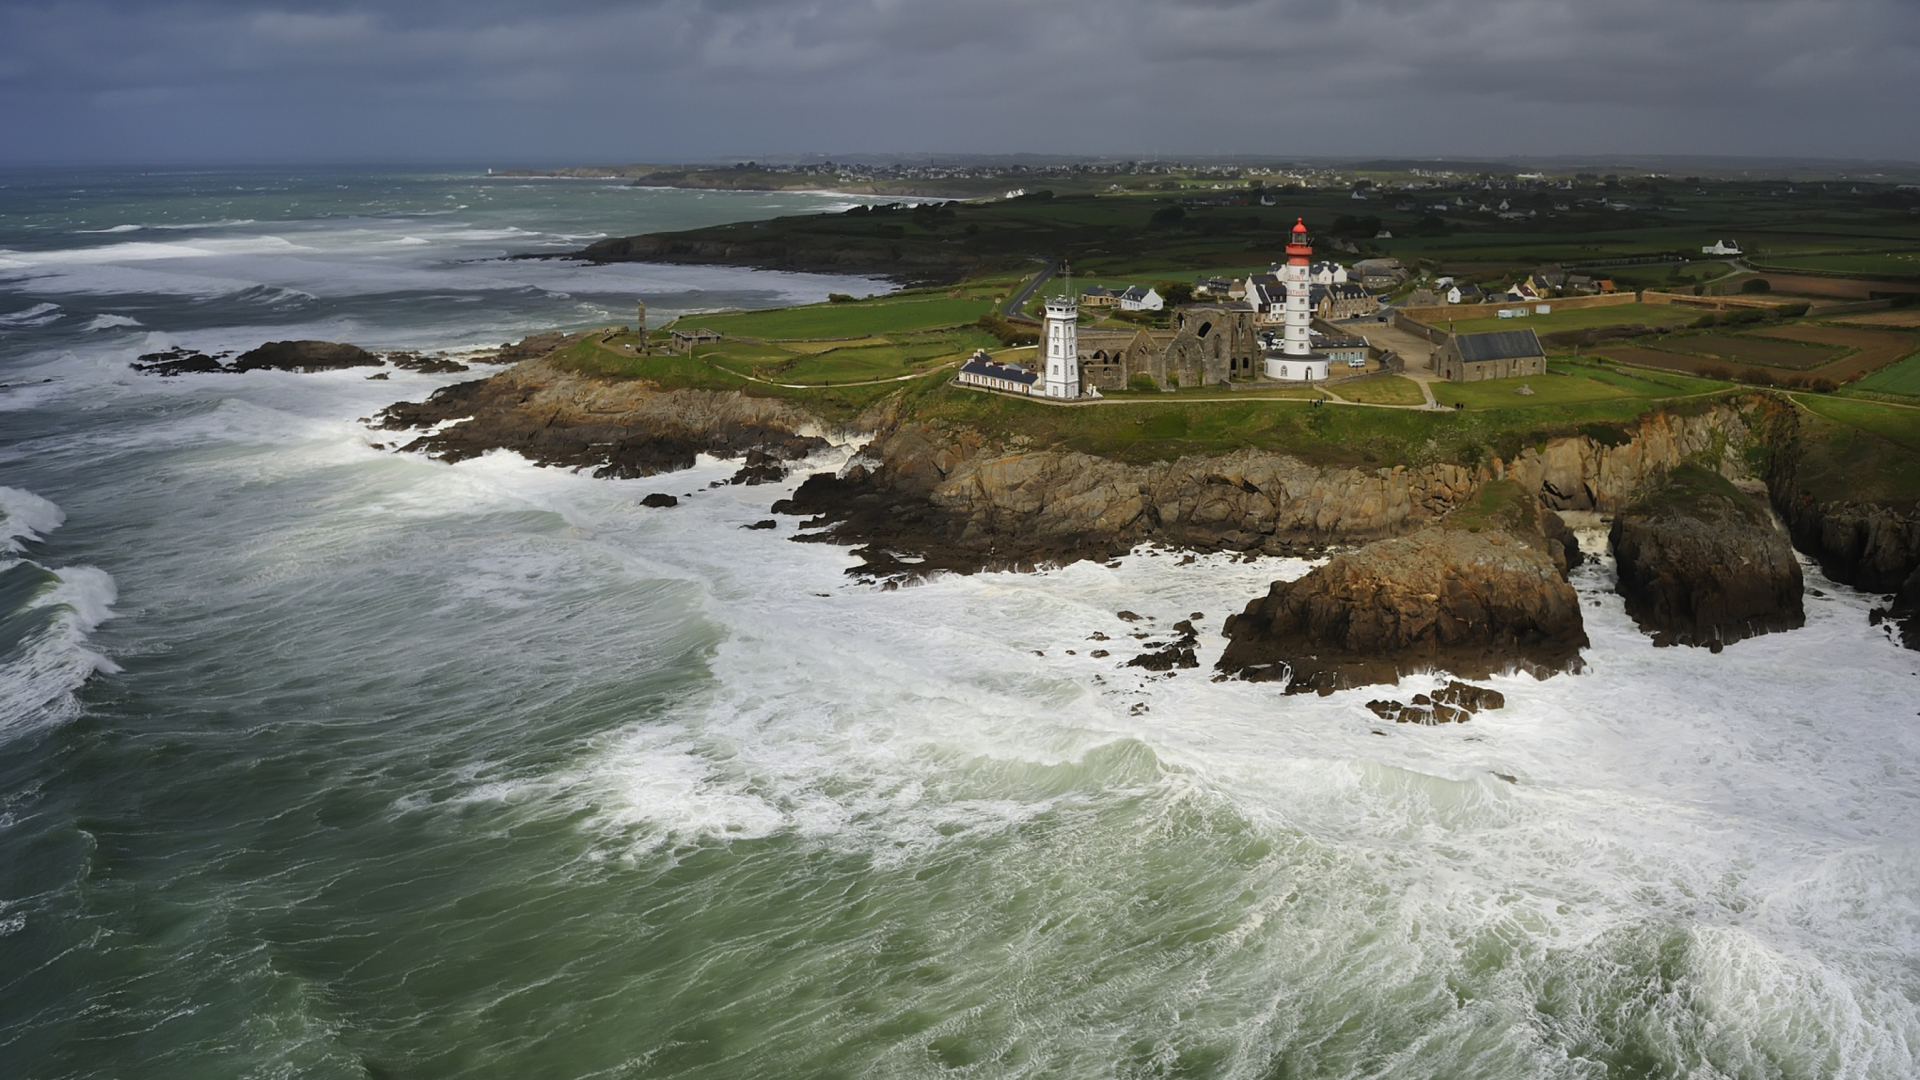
[[111, 322], [26, 517], [37, 315]]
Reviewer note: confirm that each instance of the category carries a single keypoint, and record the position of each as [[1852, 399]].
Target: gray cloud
[[590, 80]]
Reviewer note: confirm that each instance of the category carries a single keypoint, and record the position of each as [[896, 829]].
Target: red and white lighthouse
[[1296, 361]]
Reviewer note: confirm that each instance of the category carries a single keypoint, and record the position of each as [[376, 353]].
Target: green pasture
[[859, 319], [1569, 383], [1866, 263], [1899, 424], [1900, 378]]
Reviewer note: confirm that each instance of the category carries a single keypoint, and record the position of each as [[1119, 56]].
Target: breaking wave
[[45, 617]]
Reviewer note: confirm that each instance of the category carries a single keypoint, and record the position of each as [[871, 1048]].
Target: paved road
[[1011, 309]]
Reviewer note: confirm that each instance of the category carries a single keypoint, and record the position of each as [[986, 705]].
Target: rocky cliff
[[1477, 595], [1700, 563], [965, 500]]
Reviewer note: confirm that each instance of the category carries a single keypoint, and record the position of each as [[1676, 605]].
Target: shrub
[[1756, 285], [1705, 321], [1717, 371], [1754, 377], [839, 298], [1822, 385], [1142, 382], [1010, 334], [1166, 217], [1743, 317]]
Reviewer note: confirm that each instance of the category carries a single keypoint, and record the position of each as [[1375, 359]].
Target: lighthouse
[[1062, 346], [1296, 361]]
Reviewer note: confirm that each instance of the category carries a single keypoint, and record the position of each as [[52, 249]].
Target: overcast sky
[[509, 82]]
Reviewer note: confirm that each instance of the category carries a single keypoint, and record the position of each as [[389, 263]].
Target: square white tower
[[1061, 346]]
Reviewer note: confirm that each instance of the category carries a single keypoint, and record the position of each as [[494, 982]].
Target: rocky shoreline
[[923, 497]]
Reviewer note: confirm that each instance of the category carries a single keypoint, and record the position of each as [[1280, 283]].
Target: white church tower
[[1297, 361], [1062, 346]]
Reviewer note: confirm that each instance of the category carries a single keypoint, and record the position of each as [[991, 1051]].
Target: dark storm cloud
[[674, 79]]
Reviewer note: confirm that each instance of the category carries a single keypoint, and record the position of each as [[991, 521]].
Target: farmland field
[[1901, 378], [1907, 317], [1579, 318], [1877, 348], [1891, 263], [1744, 349]]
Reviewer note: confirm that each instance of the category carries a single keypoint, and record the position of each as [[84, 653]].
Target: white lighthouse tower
[[1296, 361], [1062, 347]]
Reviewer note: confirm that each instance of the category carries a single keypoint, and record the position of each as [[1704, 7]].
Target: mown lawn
[[1568, 383], [1380, 390]]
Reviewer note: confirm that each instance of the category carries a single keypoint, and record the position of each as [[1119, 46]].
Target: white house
[[1325, 273], [1721, 247], [1141, 299]]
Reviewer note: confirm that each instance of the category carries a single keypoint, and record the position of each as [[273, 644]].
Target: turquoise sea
[[318, 760]]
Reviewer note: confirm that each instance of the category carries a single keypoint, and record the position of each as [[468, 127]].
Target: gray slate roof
[[1498, 345], [992, 369]]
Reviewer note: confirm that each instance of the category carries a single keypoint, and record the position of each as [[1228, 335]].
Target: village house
[[1497, 354], [1465, 294], [1721, 247], [1379, 273], [1347, 300], [1216, 287], [1141, 298], [1097, 296]]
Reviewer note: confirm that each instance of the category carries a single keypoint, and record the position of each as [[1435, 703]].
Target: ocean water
[[322, 761]]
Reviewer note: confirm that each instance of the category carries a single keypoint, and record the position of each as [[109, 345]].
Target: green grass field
[[1583, 319], [1877, 263], [1569, 383], [1901, 378], [886, 316], [1380, 390], [1899, 424]]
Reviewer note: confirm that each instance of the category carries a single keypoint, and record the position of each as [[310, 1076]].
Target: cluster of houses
[[1542, 284]]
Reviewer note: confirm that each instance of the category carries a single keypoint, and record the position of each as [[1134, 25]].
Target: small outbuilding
[[1498, 354]]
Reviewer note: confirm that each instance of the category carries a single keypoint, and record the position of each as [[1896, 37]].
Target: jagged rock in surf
[[1477, 595], [304, 356], [1701, 564]]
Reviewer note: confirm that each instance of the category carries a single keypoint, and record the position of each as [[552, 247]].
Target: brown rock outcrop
[[949, 495], [621, 428], [1701, 564], [1471, 597], [304, 356]]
